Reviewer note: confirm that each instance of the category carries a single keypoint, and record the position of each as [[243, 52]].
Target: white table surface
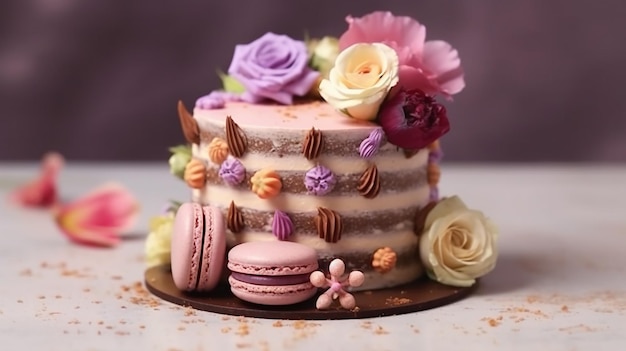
[[560, 283]]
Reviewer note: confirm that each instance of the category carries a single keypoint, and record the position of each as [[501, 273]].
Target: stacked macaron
[[267, 273], [272, 272], [198, 247]]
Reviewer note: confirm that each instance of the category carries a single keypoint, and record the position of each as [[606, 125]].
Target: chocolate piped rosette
[[333, 144]]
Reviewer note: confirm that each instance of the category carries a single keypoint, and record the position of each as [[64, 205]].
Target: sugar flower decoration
[[273, 67], [458, 244], [41, 192], [431, 66], [337, 285], [159, 241], [319, 180], [98, 218], [370, 145], [413, 120], [232, 171], [360, 80], [195, 174], [181, 155]]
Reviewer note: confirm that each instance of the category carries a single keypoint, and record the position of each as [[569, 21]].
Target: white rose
[[324, 52], [159, 241], [361, 79], [458, 245]]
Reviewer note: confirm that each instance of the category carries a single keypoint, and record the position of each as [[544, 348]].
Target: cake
[[334, 144]]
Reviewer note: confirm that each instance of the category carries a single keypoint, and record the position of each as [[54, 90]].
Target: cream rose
[[323, 53], [458, 245], [360, 80], [159, 241]]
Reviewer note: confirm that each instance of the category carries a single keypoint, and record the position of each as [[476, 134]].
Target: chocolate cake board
[[419, 295]]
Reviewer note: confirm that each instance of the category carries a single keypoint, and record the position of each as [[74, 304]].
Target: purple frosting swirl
[[370, 145], [282, 226], [216, 99], [273, 67], [434, 194], [319, 181], [232, 171], [435, 156]]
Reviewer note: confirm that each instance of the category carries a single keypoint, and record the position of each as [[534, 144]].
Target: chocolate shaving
[[420, 217], [369, 183], [188, 124], [408, 153], [236, 139], [313, 143], [328, 224], [234, 219]]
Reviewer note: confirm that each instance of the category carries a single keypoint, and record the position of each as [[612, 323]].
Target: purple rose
[[273, 67]]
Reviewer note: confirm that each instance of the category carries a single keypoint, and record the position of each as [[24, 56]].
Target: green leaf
[[230, 84], [184, 149]]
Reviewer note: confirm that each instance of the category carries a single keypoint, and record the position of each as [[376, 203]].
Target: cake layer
[[361, 223]]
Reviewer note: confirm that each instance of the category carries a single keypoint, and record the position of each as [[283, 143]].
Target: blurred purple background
[[100, 80]]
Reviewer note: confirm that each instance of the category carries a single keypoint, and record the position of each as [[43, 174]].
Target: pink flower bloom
[[431, 66], [98, 218], [41, 192]]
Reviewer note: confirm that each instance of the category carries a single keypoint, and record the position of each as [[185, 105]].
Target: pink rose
[[433, 67]]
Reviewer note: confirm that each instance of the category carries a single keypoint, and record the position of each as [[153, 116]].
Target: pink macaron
[[198, 247], [272, 272]]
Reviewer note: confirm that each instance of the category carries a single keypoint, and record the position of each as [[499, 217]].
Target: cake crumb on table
[[380, 330], [277, 324], [564, 308]]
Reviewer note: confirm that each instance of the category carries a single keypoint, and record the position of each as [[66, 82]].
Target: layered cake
[[333, 144], [340, 187]]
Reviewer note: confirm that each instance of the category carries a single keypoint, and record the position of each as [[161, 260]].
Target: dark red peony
[[412, 120]]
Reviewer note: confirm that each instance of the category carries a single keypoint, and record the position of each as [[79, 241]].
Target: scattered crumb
[[225, 318], [243, 345], [493, 322], [41, 297], [119, 332], [20, 301], [577, 328], [226, 330], [380, 330], [86, 290], [397, 301], [26, 272], [189, 311], [243, 329], [74, 321], [58, 296], [97, 302], [181, 328], [366, 325], [564, 308], [116, 277], [142, 327], [277, 324]]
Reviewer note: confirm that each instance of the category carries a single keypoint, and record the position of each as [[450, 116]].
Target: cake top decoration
[[381, 69]]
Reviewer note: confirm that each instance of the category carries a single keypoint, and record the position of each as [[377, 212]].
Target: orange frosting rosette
[[195, 174], [384, 260], [218, 150], [266, 183]]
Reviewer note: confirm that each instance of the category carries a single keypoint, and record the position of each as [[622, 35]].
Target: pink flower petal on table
[[41, 192], [98, 218]]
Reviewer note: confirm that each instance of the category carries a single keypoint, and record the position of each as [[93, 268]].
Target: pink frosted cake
[[333, 144]]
